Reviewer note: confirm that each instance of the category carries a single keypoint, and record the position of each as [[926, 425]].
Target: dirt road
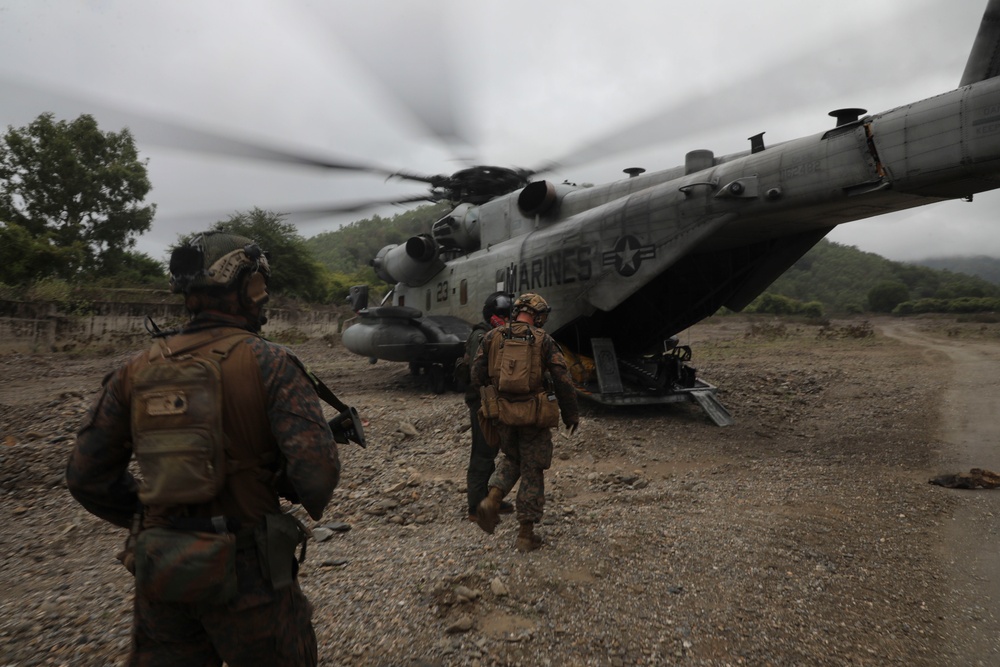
[[969, 427]]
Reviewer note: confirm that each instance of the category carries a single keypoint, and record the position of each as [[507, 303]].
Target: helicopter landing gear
[[439, 376], [438, 380]]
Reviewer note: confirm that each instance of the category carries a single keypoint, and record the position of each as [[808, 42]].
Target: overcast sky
[[427, 86]]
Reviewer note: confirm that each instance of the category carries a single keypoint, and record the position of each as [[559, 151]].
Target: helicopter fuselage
[[639, 260]]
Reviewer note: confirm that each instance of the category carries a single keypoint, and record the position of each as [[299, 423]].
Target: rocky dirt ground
[[804, 534]]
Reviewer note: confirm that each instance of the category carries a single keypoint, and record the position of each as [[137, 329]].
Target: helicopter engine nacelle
[[412, 263], [537, 198], [459, 230]]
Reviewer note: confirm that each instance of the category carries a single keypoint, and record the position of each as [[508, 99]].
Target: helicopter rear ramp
[[612, 389]]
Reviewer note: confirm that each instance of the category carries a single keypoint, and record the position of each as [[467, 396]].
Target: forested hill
[[987, 268], [349, 249], [842, 278], [839, 278]]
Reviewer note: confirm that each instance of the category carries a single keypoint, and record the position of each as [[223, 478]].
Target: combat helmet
[[218, 261], [534, 303], [498, 305]]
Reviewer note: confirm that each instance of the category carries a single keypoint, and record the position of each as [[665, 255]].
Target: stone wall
[[33, 326]]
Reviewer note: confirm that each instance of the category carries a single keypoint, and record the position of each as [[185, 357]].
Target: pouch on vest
[[488, 400], [510, 363], [540, 410], [184, 566], [276, 540], [488, 427], [177, 432], [521, 412], [548, 410]]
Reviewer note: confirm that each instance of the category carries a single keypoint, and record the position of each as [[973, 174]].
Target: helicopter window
[[428, 306], [463, 292]]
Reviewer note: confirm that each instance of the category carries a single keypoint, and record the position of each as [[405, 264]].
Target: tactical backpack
[[177, 431], [516, 371], [514, 363]]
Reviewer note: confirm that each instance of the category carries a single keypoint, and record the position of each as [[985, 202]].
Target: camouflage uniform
[[277, 413], [482, 460], [527, 450]]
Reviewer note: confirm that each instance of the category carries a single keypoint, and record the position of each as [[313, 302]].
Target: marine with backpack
[[525, 386], [221, 424]]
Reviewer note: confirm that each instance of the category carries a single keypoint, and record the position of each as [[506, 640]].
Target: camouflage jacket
[[471, 347], [554, 367], [278, 419]]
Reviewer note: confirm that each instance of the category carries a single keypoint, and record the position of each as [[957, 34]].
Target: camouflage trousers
[[260, 627], [527, 454], [482, 462]]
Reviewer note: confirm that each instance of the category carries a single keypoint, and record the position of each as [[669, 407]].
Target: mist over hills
[[983, 266]]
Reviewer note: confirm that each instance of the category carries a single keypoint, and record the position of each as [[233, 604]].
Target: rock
[[465, 594], [406, 428], [464, 623], [498, 588], [322, 534], [338, 526]]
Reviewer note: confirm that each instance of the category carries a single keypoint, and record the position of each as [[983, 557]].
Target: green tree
[[25, 258], [294, 270], [77, 191], [886, 295], [138, 268], [774, 304]]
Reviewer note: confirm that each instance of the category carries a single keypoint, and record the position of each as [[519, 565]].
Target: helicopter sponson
[[401, 333]]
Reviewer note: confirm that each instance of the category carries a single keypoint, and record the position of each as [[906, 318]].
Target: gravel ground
[[804, 534]]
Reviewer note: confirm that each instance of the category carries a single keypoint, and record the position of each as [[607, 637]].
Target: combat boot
[[526, 538], [488, 512]]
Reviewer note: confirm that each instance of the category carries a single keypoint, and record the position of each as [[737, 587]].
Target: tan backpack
[[177, 432], [515, 361], [515, 367]]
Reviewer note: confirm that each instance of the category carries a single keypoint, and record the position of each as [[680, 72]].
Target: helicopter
[[629, 264]]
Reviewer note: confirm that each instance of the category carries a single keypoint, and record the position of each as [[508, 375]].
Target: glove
[[572, 426]]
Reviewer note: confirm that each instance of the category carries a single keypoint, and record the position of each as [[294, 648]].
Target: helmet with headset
[[217, 262], [536, 305]]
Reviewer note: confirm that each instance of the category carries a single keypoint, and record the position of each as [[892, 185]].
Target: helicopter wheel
[[437, 378]]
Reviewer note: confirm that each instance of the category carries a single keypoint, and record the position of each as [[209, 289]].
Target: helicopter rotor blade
[[354, 207], [741, 101], [181, 136], [425, 83]]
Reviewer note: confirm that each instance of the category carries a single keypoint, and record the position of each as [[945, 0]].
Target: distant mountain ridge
[[982, 266], [842, 277]]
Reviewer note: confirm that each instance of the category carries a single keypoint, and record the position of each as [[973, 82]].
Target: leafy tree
[[76, 191], [812, 310], [25, 258], [294, 270], [885, 296], [138, 268], [774, 304]]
